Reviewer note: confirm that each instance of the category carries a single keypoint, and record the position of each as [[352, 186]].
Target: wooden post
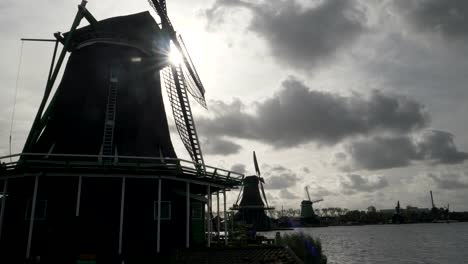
[[218, 222], [225, 220], [187, 220], [209, 216], [122, 207], [158, 239], [31, 220], [78, 196], [2, 212], [232, 223]]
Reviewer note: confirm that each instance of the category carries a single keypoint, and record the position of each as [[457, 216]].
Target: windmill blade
[[257, 169], [263, 193], [198, 91], [176, 89], [239, 196], [163, 5], [316, 201], [261, 180], [161, 10], [307, 192], [266, 201], [240, 191], [194, 84]]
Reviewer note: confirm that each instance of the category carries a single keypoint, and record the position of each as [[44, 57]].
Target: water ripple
[[390, 244]]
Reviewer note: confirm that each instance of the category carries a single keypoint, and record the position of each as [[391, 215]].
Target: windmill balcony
[[135, 165]]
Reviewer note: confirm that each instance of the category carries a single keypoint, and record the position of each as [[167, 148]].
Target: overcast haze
[[364, 101]]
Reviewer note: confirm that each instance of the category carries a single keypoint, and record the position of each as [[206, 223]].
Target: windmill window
[[165, 210], [197, 210], [41, 210]]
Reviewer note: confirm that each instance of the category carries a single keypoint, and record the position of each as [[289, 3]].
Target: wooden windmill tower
[[98, 179], [252, 210], [307, 209]]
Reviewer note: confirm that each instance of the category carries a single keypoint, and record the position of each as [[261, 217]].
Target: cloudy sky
[[363, 101]]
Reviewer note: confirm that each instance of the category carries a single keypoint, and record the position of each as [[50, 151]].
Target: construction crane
[[432, 200]]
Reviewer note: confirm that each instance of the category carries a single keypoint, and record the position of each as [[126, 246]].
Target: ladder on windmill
[[109, 123]]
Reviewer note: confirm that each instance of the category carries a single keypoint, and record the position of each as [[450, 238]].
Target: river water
[[393, 244]]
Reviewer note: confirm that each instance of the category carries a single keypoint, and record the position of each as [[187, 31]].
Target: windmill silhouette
[[98, 176], [252, 209]]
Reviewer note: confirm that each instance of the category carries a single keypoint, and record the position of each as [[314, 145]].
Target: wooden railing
[[123, 164]]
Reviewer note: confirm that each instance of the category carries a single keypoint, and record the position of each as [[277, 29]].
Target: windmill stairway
[[109, 123]]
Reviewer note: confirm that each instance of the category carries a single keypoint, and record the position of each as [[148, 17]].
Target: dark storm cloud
[[278, 168], [297, 115], [296, 35], [317, 192], [376, 153], [279, 177], [286, 194], [448, 17], [240, 168], [220, 146], [383, 153], [354, 183], [450, 181], [439, 146]]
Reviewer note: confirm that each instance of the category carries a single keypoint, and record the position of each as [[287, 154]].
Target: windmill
[[99, 160], [307, 210], [251, 209], [180, 79]]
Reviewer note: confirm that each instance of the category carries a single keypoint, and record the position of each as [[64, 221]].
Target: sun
[[174, 55]]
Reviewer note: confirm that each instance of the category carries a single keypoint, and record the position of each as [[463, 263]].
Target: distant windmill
[[252, 209], [307, 210]]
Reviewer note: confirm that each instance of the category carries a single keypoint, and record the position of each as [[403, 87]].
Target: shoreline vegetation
[[342, 217], [304, 246]]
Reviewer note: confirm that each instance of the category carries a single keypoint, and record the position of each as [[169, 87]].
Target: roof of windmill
[[138, 30]]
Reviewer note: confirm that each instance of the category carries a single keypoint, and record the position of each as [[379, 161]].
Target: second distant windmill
[[307, 209]]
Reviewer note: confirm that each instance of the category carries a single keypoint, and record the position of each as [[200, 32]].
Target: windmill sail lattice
[[191, 82], [179, 79], [181, 111]]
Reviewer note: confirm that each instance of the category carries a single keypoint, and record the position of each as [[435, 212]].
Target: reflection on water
[[390, 244]]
